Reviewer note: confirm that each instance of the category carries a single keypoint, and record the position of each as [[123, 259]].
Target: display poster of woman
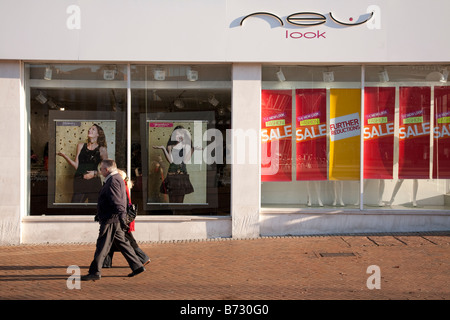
[[82, 145], [181, 176]]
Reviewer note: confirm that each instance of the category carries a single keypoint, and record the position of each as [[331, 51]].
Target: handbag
[[132, 210]]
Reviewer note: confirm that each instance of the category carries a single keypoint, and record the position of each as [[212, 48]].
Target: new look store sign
[[224, 30], [313, 19]]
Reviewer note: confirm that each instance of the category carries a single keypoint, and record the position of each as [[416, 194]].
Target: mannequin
[[397, 187], [338, 190], [316, 187]]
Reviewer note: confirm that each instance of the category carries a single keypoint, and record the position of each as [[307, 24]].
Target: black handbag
[[132, 210]]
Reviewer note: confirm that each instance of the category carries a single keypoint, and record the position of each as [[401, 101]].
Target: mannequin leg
[[396, 188], [308, 188], [380, 192], [316, 188], [415, 188], [338, 186]]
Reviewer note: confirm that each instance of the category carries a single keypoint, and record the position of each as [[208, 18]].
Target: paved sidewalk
[[411, 266]]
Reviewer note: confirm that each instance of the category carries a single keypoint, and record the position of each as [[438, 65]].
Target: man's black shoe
[[136, 272], [88, 277]]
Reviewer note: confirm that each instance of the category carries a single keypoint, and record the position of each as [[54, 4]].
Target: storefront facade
[[267, 118]]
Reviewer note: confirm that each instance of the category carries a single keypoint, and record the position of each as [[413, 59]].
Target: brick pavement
[[412, 266]]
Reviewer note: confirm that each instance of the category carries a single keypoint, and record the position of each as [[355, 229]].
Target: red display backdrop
[[414, 133], [379, 106], [441, 145], [311, 134], [276, 128]]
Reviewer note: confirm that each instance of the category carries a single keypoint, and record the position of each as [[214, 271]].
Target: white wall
[[10, 152], [210, 31]]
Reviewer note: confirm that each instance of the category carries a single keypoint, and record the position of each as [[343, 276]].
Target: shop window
[[78, 115], [406, 137], [311, 136], [313, 127], [180, 115]]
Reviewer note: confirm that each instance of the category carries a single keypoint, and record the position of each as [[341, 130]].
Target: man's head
[[107, 166]]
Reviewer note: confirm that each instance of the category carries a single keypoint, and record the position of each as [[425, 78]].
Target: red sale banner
[[276, 135], [414, 133], [311, 134], [441, 132], [379, 106]]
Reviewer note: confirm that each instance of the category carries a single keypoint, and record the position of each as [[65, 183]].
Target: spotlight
[[48, 73], [384, 76], [41, 98], [444, 75], [159, 74], [328, 76], [156, 97], [179, 103], [280, 75], [212, 100], [109, 74], [52, 104], [192, 75]]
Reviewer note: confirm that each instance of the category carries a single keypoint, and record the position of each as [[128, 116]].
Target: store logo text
[[372, 19]]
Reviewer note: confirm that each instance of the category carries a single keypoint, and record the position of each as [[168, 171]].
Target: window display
[[402, 127], [325, 144], [78, 116]]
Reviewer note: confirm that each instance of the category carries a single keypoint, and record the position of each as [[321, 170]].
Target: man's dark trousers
[[107, 234]]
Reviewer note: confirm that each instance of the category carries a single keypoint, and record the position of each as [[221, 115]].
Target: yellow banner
[[345, 132]]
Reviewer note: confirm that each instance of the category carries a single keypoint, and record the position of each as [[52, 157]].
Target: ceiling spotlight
[[41, 98], [192, 75], [48, 73], [156, 97], [212, 100], [444, 75], [159, 74], [280, 75], [384, 76], [109, 74], [178, 103], [328, 76], [52, 104]]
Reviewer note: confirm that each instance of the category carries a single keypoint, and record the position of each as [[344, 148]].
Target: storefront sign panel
[[379, 106], [414, 133], [441, 146], [345, 129], [311, 134], [276, 134]]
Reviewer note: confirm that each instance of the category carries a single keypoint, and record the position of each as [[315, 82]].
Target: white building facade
[[298, 118]]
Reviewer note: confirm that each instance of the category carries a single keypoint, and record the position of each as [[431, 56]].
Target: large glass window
[[77, 116], [180, 115], [311, 136], [406, 137], [172, 146], [313, 127]]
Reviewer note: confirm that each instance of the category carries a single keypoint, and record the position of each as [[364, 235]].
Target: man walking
[[111, 210]]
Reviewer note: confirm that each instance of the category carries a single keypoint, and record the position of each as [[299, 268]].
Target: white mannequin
[[316, 187], [338, 190], [397, 187]]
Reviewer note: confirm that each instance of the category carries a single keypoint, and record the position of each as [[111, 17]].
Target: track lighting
[[384, 76], [159, 74], [328, 76], [192, 75], [48, 73], [280, 75]]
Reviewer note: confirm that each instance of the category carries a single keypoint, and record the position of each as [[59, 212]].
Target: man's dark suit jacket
[[112, 200]]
